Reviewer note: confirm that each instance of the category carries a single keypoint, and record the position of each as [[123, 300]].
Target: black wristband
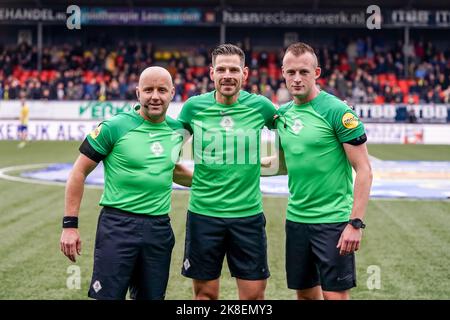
[[70, 222]]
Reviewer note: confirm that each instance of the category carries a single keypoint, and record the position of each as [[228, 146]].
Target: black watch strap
[[357, 223]]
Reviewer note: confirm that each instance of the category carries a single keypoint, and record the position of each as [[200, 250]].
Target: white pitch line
[[372, 158], [5, 176]]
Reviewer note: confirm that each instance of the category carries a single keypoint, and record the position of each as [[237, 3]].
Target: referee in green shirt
[[321, 140], [225, 215], [139, 150]]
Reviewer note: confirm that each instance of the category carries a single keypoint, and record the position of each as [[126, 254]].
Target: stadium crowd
[[360, 71]]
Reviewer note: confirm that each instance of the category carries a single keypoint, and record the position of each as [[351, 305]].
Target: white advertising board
[[376, 132]]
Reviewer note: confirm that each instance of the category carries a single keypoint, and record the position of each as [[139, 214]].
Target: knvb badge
[[297, 126], [157, 149], [227, 123]]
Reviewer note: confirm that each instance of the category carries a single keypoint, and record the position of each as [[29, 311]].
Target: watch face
[[357, 223]]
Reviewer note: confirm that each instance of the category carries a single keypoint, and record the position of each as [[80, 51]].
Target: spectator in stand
[[254, 89], [411, 115], [94, 70], [283, 95], [341, 86], [370, 95], [359, 93], [267, 91], [60, 93], [388, 95]]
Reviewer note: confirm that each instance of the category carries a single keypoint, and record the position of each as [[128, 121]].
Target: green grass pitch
[[408, 240]]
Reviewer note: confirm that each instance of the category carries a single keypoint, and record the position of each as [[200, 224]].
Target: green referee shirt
[[320, 175], [226, 143], [139, 158]]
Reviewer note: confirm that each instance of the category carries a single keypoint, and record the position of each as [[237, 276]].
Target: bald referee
[[139, 150]]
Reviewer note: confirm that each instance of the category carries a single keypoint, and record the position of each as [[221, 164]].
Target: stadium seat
[[382, 78], [404, 86], [379, 100]]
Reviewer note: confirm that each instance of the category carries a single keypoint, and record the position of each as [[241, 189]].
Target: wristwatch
[[357, 223]]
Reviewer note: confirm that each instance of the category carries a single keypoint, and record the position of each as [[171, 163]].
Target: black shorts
[[209, 239], [312, 257], [132, 251]]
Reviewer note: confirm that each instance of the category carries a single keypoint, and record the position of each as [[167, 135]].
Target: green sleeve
[[268, 110], [174, 124], [346, 123], [178, 128], [284, 108], [280, 113], [101, 138], [185, 116]]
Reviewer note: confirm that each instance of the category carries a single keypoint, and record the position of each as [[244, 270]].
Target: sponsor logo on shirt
[[349, 120], [94, 134]]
